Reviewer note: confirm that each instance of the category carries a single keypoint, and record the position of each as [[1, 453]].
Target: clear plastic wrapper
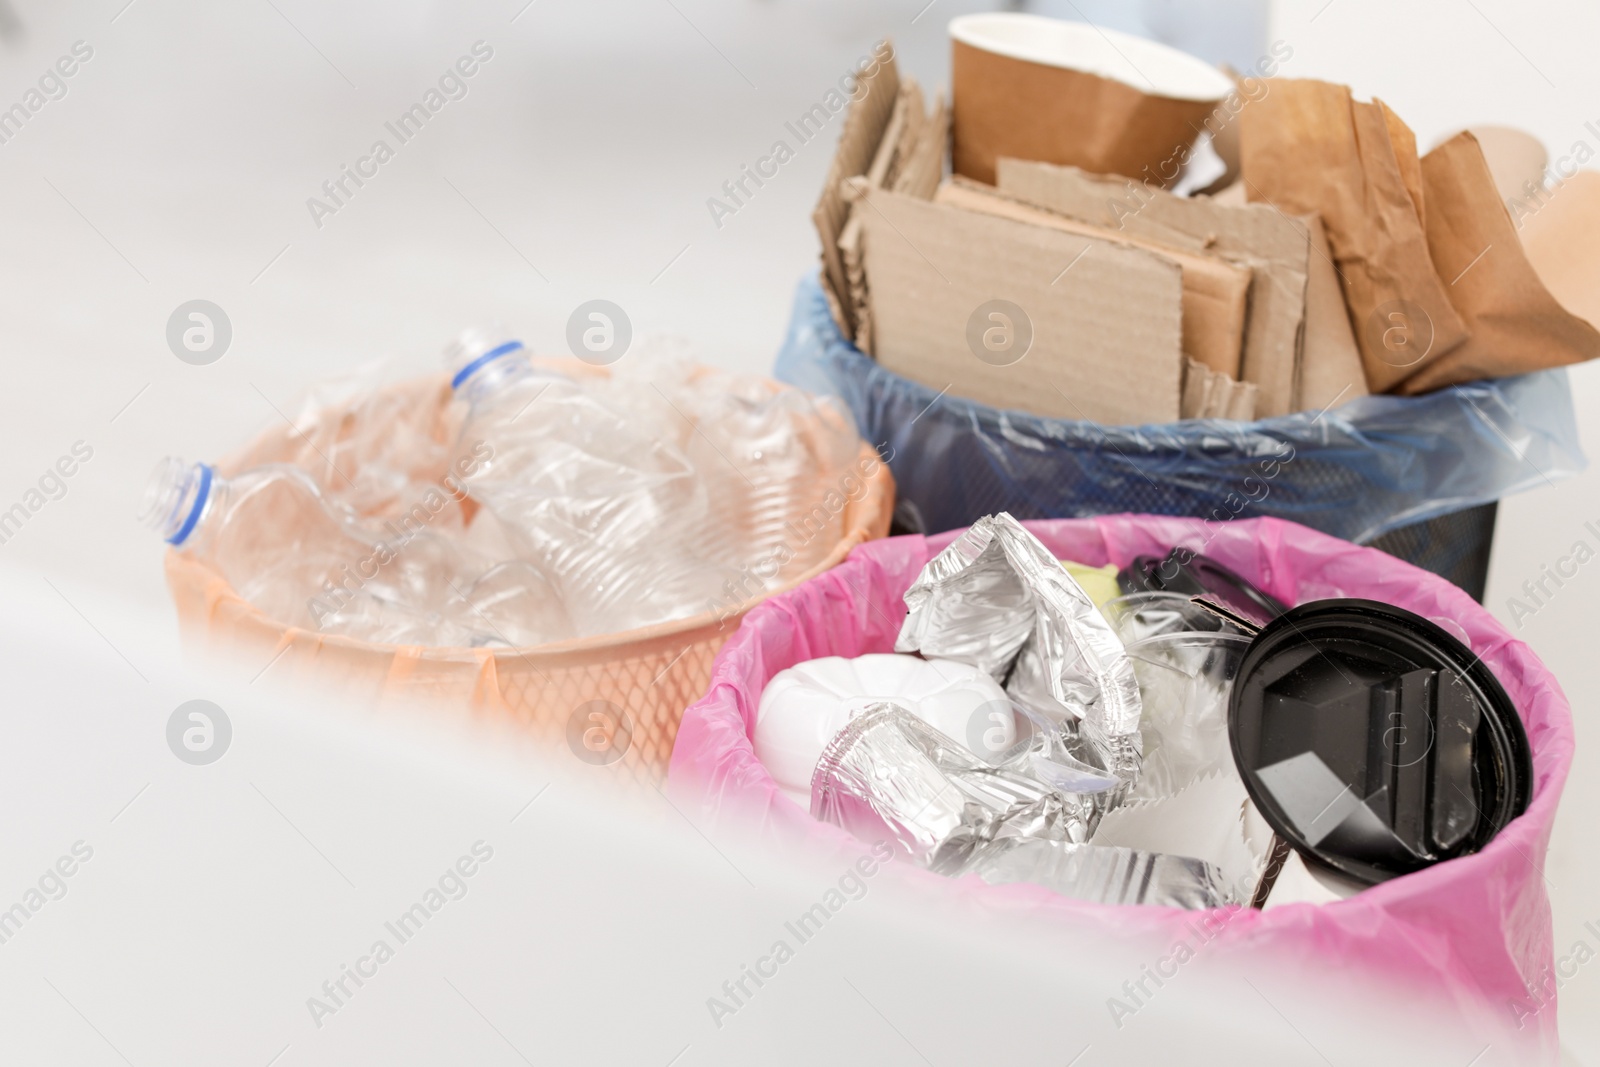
[[998, 599], [1185, 679], [1137, 616]]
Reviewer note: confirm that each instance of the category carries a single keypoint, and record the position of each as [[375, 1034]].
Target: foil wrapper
[[1106, 874], [889, 774], [998, 599]]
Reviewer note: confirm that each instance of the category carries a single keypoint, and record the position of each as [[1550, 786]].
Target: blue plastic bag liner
[[1357, 471]]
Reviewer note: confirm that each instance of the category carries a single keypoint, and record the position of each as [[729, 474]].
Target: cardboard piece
[[1562, 240], [1106, 348], [1214, 291], [1038, 88], [900, 136], [1231, 196], [889, 142], [1307, 147], [1208, 394], [1273, 246], [1330, 363], [1516, 324], [864, 123], [924, 165], [905, 125], [855, 291]]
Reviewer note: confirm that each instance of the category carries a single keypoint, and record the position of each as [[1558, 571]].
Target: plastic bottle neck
[[493, 361], [483, 363], [178, 499]]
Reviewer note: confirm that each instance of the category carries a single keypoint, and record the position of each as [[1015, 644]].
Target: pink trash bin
[[1474, 931]]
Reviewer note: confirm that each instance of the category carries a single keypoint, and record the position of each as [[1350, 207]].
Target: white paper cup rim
[[1148, 66]]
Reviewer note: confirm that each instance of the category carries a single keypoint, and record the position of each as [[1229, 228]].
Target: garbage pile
[[1190, 742], [537, 502]]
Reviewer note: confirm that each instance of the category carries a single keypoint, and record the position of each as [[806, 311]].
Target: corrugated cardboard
[[1516, 324], [1307, 147], [1330, 363], [1006, 106], [1214, 291], [1562, 240], [855, 294], [1210, 395], [864, 122], [905, 124], [1106, 341], [901, 136], [1273, 246], [924, 167], [1231, 195]]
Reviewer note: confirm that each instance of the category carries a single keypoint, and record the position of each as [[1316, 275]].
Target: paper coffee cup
[[1043, 89]]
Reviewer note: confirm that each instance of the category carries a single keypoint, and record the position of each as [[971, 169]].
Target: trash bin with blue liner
[[1418, 477]]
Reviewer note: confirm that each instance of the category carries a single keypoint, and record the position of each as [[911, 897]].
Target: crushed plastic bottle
[[308, 561], [597, 495], [779, 466], [546, 506]]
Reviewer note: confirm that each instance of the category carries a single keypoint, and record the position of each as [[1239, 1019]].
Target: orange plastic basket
[[615, 700]]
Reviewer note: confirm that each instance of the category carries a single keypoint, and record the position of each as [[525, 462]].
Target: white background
[[178, 166]]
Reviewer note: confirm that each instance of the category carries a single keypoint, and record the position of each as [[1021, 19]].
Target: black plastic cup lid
[[1190, 574], [1373, 741]]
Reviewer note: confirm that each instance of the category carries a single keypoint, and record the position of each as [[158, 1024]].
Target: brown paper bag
[[1306, 147], [1516, 325], [1563, 242], [1516, 158]]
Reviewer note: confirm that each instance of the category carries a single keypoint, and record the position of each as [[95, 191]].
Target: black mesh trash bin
[[1418, 477]]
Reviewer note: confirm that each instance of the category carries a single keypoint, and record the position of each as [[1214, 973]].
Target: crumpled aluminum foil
[[1106, 874], [889, 774], [998, 599]]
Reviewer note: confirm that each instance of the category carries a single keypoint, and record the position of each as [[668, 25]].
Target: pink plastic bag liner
[[1476, 931]]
